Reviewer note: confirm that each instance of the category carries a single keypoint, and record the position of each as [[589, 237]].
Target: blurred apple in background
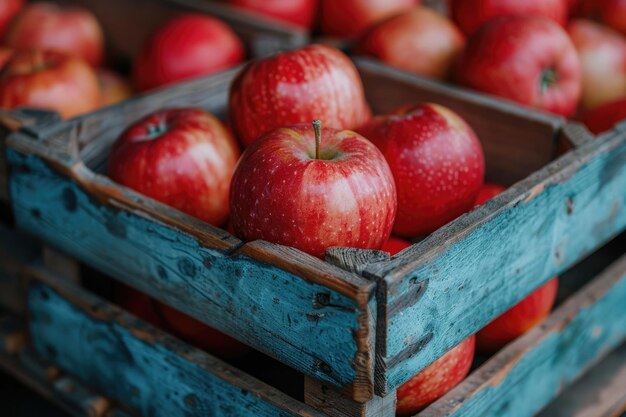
[[472, 14], [296, 12], [604, 118], [437, 162], [138, 304], [350, 18], [313, 188], [114, 88], [487, 192], [602, 53], [184, 158], [72, 30], [314, 82], [527, 59], [437, 379], [610, 12], [420, 41], [49, 80], [187, 46], [394, 245], [8, 10], [5, 55]]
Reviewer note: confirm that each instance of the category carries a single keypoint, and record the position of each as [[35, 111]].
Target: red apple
[[138, 304], [350, 18], [74, 31], [487, 192], [420, 41], [614, 14], [201, 335], [8, 10], [5, 55], [49, 80], [602, 53], [472, 14], [394, 245], [187, 46], [313, 190], [314, 82], [184, 158], [519, 319], [437, 379], [437, 162], [296, 12], [530, 60], [605, 117], [114, 88]]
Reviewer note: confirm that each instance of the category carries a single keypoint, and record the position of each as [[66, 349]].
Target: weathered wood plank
[[525, 376], [305, 313], [599, 393], [139, 366], [482, 263]]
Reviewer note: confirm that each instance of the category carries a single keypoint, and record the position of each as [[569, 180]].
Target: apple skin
[[5, 55], [8, 10], [184, 158], [282, 194], [526, 59], [519, 319], [296, 12], [49, 80], [437, 162], [602, 53], [350, 18], [487, 192], [178, 51], [421, 33], [314, 82], [470, 15], [72, 30], [201, 335], [394, 245], [604, 118], [113, 87], [614, 14], [138, 304], [437, 379]]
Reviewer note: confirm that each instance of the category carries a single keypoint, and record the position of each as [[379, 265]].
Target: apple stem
[[317, 128]]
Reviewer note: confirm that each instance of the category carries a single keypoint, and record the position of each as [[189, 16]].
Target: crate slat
[[138, 365]]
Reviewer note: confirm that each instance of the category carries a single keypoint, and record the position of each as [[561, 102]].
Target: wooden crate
[[363, 327], [95, 359]]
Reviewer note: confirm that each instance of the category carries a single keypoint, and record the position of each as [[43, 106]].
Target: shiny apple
[[296, 12]]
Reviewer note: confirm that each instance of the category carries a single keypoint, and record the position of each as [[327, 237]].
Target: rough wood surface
[[599, 393], [448, 286], [526, 375], [139, 366]]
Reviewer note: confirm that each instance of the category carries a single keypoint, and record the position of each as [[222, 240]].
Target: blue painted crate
[[363, 328]]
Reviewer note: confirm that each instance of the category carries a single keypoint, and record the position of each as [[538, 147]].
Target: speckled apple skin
[[437, 162], [437, 379], [605, 117], [519, 319], [508, 56], [314, 82], [282, 194], [469, 15], [188, 167]]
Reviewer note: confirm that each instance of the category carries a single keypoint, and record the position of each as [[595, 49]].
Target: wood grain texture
[[526, 375], [305, 313], [139, 366], [599, 393], [484, 262]]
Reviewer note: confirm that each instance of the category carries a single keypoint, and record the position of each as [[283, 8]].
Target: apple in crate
[[487, 192], [5, 55], [394, 245], [527, 59], [295, 12], [49, 80], [419, 41], [350, 18], [610, 12], [437, 379], [8, 10], [472, 14], [187, 46], [113, 87], [437, 162], [72, 30], [138, 304], [605, 117], [313, 188], [184, 158], [602, 53], [314, 82]]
